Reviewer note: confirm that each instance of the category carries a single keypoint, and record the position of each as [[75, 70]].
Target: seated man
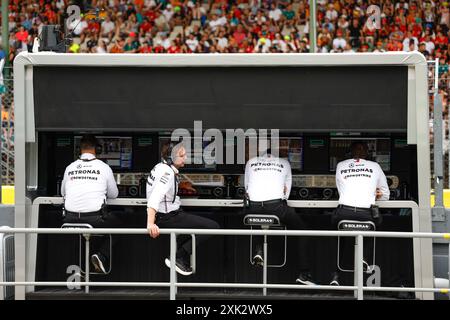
[[268, 184], [359, 183], [86, 185], [163, 206]]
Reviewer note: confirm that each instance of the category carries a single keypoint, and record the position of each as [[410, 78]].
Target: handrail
[[193, 202], [173, 284], [240, 232], [224, 203], [237, 203]]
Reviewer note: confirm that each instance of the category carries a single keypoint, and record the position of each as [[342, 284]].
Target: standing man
[[86, 185], [163, 206], [268, 184], [359, 182]]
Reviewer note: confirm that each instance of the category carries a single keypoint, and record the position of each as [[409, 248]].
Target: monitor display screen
[[379, 150], [290, 148], [113, 150]]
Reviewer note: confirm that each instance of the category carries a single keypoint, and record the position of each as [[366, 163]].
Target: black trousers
[[107, 220], [292, 221], [347, 243], [181, 220]]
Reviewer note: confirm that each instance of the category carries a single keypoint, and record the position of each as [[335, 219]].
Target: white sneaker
[[258, 260], [180, 267], [335, 279], [367, 268], [305, 279], [98, 264]]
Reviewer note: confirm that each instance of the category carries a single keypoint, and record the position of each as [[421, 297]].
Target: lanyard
[[175, 183], [175, 187]]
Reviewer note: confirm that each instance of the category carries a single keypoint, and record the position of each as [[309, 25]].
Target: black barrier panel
[[360, 98], [224, 259]]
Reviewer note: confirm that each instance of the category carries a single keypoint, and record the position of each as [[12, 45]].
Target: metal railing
[[358, 286], [229, 203], [436, 83]]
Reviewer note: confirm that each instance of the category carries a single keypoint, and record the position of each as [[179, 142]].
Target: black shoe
[[305, 278], [99, 263], [181, 266], [258, 259], [335, 279]]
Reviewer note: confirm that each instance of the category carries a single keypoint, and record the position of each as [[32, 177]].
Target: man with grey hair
[[163, 206]]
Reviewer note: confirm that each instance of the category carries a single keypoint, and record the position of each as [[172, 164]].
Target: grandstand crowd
[[245, 26], [239, 26]]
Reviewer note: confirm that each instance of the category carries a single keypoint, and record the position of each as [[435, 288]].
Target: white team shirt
[[87, 184], [266, 177], [162, 188], [357, 181]]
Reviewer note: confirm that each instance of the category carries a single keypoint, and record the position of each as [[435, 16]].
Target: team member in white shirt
[[163, 206], [268, 182], [359, 182], [86, 185]]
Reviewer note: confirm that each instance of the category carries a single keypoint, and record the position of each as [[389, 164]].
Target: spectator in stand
[[101, 48], [354, 33], [410, 41], [145, 48], [303, 46], [429, 44], [441, 40], [379, 47], [263, 45], [275, 13], [131, 45], [192, 42], [279, 44], [423, 49], [118, 46], [328, 25], [288, 13], [343, 23], [331, 13], [339, 41], [107, 28], [443, 66], [445, 15]]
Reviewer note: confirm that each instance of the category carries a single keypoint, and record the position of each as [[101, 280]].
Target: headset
[[169, 161], [168, 156]]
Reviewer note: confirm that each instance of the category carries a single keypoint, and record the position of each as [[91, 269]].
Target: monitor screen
[[113, 150], [199, 160], [290, 148], [379, 151]]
